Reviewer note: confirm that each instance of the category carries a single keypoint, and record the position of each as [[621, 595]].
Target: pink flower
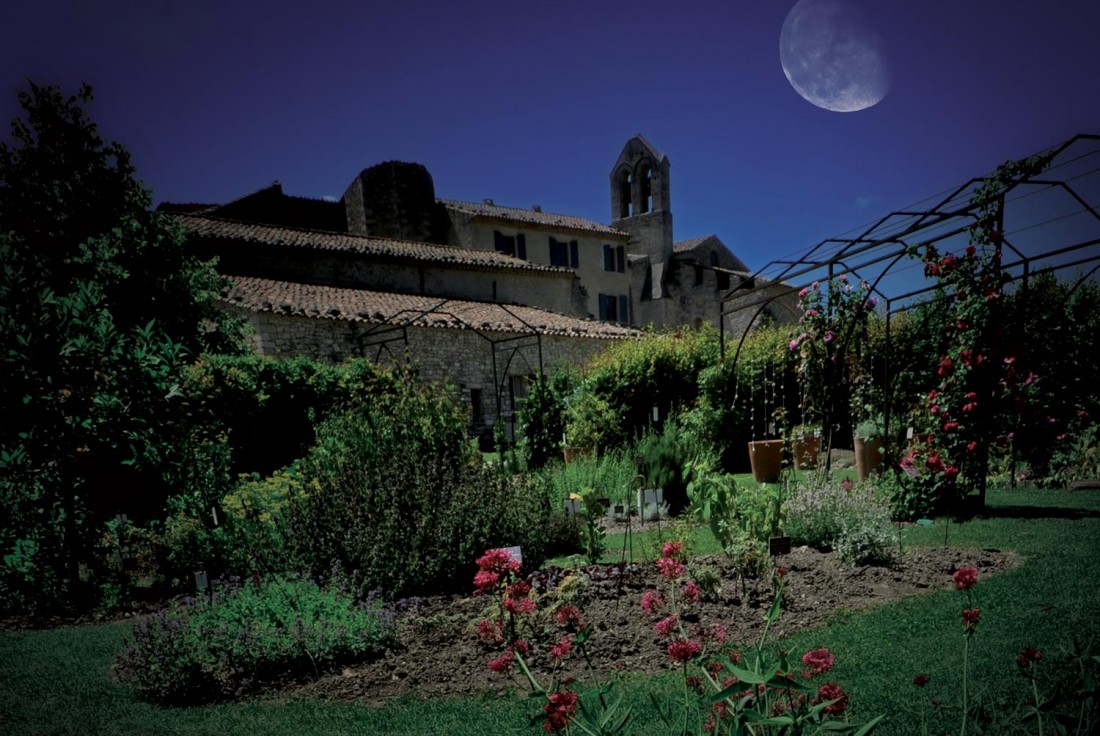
[[719, 634], [970, 617], [522, 646], [847, 484], [519, 606], [562, 648], [518, 589], [560, 709], [570, 616], [947, 366], [965, 578], [497, 560], [671, 569], [672, 550], [971, 446], [485, 581], [684, 650], [832, 691], [828, 337], [781, 572], [691, 592], [819, 660], [652, 602], [488, 631], [950, 472], [503, 663], [950, 427], [666, 627]]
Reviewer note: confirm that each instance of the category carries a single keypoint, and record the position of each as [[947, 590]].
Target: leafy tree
[[100, 306]]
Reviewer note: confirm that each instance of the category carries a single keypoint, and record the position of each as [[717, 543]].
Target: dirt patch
[[438, 653]]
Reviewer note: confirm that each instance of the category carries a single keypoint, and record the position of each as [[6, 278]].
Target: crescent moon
[[832, 57]]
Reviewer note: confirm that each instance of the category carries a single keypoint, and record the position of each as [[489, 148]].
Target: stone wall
[[461, 357]]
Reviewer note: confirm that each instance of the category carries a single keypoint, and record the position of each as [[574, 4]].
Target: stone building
[[475, 292]]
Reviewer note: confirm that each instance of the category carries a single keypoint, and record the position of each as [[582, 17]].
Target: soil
[[438, 652]]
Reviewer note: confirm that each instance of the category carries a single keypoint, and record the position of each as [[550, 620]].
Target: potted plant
[[867, 441], [805, 440], [766, 455]]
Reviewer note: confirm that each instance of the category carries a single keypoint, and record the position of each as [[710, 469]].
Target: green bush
[[542, 417], [394, 491], [244, 637], [610, 473], [852, 519]]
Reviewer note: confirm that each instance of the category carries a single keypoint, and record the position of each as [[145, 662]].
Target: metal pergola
[[1050, 223]]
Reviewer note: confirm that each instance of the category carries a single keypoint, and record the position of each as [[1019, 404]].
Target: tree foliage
[[100, 306]]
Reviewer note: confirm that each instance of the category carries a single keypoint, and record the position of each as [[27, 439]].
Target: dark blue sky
[[530, 103]]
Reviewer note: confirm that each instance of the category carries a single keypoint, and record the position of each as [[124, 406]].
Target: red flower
[[652, 602], [971, 251], [683, 650], [971, 446], [672, 550], [819, 660], [832, 691], [965, 578], [670, 568], [522, 646], [485, 581], [570, 616], [950, 427], [947, 366], [691, 592], [502, 663], [950, 472], [666, 627], [520, 606], [920, 680], [969, 407], [781, 572], [970, 617], [1027, 656], [497, 560], [562, 648], [559, 711], [518, 589], [488, 631]]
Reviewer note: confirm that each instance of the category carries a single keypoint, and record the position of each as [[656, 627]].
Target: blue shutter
[[603, 307], [608, 258], [620, 259], [521, 246], [624, 309], [574, 260]]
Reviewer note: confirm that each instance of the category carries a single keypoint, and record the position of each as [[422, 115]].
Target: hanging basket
[[766, 457]]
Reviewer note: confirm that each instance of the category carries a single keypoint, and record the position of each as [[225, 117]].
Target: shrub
[[244, 637], [394, 490], [610, 473], [852, 519], [542, 417]]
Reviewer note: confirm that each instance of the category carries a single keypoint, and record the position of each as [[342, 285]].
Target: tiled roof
[[374, 307], [686, 246], [531, 217], [250, 232]]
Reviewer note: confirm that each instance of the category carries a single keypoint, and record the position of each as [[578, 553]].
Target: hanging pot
[[766, 457], [868, 456], [805, 450]]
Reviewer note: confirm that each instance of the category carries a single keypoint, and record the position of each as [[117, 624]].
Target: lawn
[[56, 682]]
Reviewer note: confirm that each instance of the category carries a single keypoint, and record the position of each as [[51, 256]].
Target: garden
[[868, 521]]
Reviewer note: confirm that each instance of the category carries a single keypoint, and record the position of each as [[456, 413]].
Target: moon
[[832, 57]]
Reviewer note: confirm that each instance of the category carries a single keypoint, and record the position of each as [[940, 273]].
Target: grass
[[56, 682]]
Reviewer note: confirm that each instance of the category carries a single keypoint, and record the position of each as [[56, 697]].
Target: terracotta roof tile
[[532, 217], [374, 307], [250, 232]]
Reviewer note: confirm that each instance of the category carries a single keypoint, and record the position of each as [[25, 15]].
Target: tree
[[100, 306]]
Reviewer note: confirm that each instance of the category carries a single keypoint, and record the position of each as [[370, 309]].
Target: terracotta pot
[[572, 453], [805, 450], [766, 457], [868, 456]]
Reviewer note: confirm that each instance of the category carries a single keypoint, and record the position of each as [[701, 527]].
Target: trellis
[[1050, 222]]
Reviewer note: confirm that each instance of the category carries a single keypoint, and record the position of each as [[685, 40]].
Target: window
[[698, 275], [559, 253], [614, 308], [723, 280], [510, 245], [614, 258], [574, 260]]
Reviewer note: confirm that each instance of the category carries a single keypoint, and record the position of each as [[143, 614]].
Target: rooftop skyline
[[499, 100]]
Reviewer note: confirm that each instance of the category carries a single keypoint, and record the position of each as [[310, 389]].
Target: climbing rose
[[970, 616], [652, 602], [965, 578], [950, 472], [559, 710], [832, 691], [682, 650], [819, 660]]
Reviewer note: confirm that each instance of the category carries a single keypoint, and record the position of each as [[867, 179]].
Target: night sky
[[530, 103]]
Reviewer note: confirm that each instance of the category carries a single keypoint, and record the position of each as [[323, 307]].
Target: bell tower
[[640, 205]]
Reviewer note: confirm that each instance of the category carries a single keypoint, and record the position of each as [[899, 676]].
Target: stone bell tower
[[640, 205]]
